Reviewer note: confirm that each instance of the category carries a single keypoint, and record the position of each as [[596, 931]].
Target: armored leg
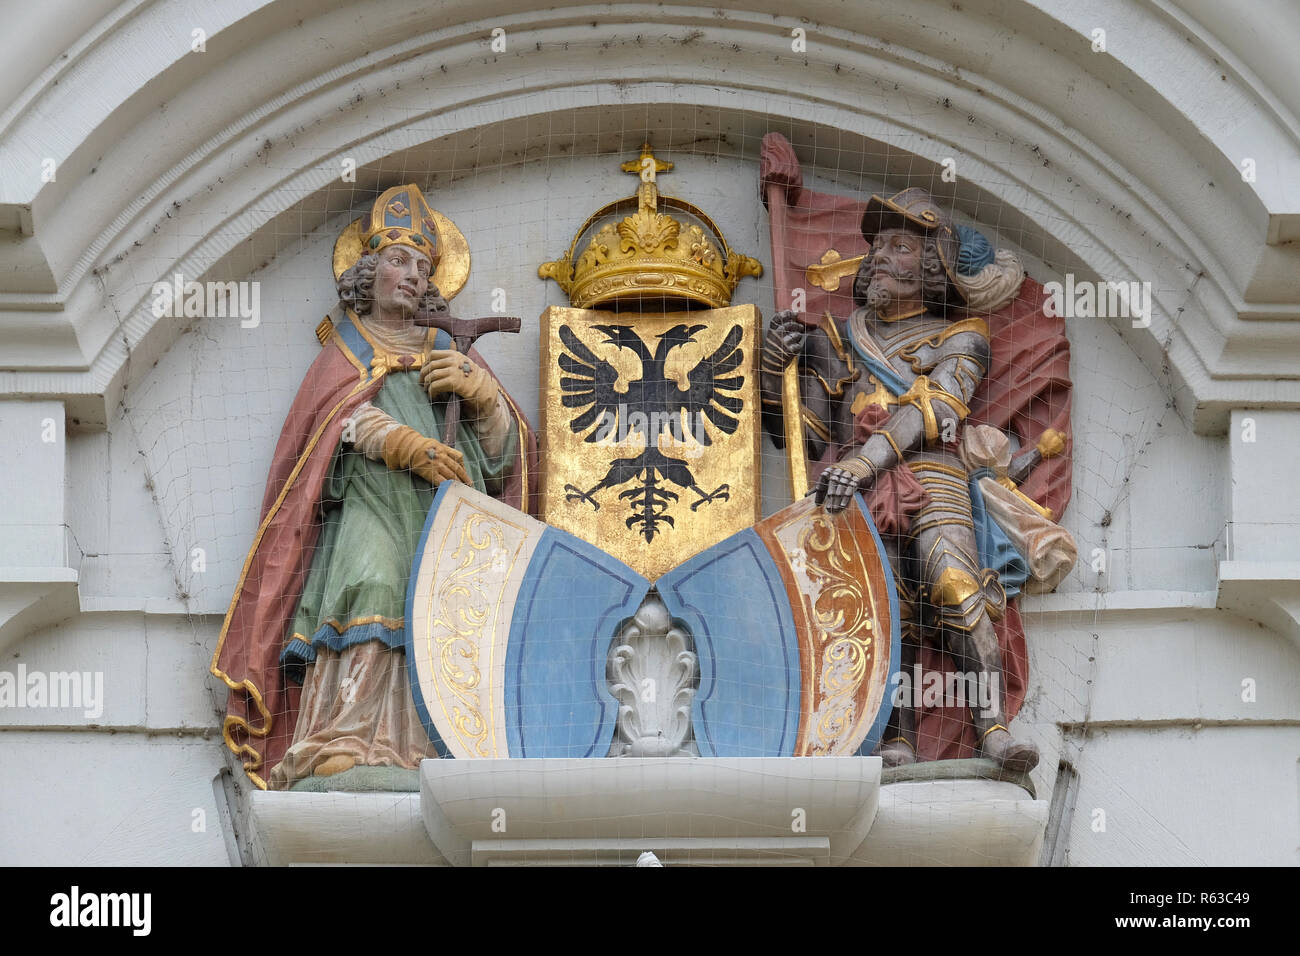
[[898, 746], [962, 601]]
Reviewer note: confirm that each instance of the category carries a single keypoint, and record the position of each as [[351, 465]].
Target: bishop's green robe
[[373, 518]]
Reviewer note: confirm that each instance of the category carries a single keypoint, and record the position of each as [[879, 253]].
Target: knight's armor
[[943, 363], [923, 370]]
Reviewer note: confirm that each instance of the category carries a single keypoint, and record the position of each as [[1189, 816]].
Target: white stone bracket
[[37, 585]]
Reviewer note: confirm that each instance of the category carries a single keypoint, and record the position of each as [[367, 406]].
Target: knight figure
[[887, 392]]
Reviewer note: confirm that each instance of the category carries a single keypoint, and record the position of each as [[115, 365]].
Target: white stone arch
[[1096, 162], [1123, 181]]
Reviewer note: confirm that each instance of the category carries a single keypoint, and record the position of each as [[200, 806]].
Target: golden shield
[[650, 430]]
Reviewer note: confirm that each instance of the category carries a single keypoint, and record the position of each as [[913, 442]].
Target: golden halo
[[452, 270]]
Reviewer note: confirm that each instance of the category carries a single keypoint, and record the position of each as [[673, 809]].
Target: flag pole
[[791, 401]]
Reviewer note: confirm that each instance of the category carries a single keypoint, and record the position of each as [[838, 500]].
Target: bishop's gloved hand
[[427, 457], [837, 485], [450, 371]]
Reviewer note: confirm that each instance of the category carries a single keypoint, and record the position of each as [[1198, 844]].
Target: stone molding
[[704, 811]]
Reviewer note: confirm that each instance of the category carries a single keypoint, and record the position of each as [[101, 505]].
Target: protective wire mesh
[[202, 426]]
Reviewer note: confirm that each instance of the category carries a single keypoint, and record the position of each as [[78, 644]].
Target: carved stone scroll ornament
[[654, 673]]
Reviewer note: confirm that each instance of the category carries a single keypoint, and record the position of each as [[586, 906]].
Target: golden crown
[[650, 255]]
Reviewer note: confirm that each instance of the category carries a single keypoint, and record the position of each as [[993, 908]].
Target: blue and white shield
[[508, 625], [510, 621]]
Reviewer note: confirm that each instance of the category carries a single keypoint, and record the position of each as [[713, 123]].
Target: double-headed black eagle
[[666, 410]]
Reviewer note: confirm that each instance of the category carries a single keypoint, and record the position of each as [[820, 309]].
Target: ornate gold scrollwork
[[842, 614], [463, 611]]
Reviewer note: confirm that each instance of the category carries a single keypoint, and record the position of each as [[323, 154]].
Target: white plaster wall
[[1131, 688], [110, 800], [1183, 796], [133, 783], [31, 522], [1266, 518]]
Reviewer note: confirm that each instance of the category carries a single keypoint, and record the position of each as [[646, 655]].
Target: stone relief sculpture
[[653, 611], [312, 646], [400, 602], [904, 395]]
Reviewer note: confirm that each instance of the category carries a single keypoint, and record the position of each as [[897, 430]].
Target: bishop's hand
[[405, 448], [440, 463], [450, 371]]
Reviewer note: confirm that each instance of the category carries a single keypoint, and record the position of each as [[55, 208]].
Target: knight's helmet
[[915, 209]]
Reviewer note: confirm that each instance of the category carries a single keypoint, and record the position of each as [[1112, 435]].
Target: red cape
[[262, 709]]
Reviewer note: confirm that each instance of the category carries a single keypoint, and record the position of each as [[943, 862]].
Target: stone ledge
[[31, 598], [1039, 606], [1263, 591], [954, 823], [737, 811], [974, 768], [760, 810]]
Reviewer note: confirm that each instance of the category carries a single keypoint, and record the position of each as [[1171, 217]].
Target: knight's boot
[[896, 753], [997, 744], [897, 749], [967, 610]]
